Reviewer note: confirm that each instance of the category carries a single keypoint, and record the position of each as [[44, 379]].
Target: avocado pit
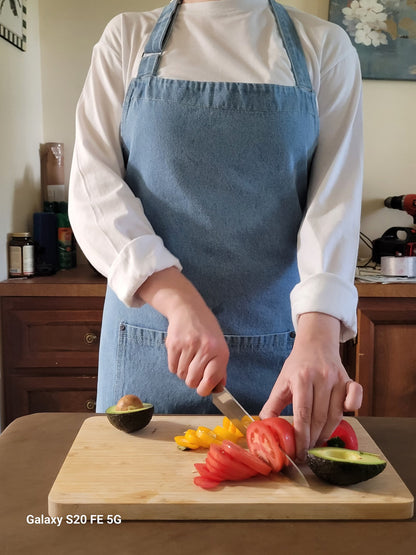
[[130, 414], [129, 402]]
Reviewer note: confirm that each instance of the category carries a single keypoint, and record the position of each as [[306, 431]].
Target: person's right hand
[[197, 350]]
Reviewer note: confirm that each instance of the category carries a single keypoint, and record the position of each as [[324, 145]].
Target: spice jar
[[21, 255]]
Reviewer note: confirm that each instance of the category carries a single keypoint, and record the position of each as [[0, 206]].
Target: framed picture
[[384, 34], [13, 22]]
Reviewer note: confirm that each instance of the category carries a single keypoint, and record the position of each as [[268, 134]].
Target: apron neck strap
[[292, 45], [154, 47]]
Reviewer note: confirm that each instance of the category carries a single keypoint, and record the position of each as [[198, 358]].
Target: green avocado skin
[[343, 473], [130, 421]]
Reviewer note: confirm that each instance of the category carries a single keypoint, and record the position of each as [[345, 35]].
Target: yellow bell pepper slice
[[229, 425], [206, 436], [184, 442]]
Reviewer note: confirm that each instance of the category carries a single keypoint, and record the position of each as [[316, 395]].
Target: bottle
[[46, 243], [21, 255], [66, 244], [52, 166]]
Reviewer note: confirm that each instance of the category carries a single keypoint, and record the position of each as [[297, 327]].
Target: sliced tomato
[[233, 470], [240, 454], [205, 483], [285, 434], [263, 444], [343, 436], [216, 469], [229, 472], [204, 471]]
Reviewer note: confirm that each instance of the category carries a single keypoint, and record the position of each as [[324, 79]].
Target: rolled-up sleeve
[[329, 234], [108, 220]]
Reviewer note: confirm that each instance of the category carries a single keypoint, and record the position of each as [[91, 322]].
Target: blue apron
[[222, 172]]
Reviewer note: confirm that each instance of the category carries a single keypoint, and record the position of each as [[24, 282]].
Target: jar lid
[[24, 234]]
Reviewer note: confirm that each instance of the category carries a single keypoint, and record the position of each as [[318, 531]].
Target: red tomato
[[343, 436], [263, 443], [233, 470], [285, 434], [242, 455], [205, 483], [203, 470], [216, 470]]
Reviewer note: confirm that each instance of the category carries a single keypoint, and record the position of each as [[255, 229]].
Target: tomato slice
[[285, 434], [343, 436], [263, 443], [233, 470], [205, 483], [205, 472], [240, 454]]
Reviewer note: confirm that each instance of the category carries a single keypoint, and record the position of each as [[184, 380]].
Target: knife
[[231, 408]]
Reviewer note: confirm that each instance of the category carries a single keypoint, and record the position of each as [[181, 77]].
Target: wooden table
[[33, 448]]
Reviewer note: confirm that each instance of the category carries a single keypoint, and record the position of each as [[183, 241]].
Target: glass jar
[[21, 255]]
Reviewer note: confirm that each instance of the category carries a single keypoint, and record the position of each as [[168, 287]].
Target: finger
[[196, 371], [214, 374], [279, 398], [335, 412], [302, 413], [173, 360], [174, 353], [353, 397], [321, 407], [185, 359]]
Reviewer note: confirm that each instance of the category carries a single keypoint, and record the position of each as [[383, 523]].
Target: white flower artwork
[[384, 34], [366, 21]]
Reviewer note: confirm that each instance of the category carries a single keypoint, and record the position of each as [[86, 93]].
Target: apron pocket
[[142, 369]]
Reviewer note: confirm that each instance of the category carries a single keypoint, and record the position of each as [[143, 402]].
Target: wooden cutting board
[[143, 476]]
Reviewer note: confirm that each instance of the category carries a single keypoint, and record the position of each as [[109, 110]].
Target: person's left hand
[[315, 381]]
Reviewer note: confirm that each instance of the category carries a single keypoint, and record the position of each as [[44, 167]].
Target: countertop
[[33, 448], [81, 281], [84, 281]]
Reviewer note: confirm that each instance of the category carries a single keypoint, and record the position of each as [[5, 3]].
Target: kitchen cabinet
[[50, 338], [385, 349], [51, 328]]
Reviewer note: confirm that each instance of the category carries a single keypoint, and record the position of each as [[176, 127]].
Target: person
[[216, 182]]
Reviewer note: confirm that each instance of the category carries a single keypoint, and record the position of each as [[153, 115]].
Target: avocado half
[[130, 420], [344, 467]]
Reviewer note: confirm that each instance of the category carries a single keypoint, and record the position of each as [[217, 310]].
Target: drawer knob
[[90, 338], [90, 404]]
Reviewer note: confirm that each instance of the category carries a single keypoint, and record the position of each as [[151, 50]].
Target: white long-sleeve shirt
[[234, 41]]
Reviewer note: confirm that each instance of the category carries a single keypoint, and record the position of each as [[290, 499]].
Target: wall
[[20, 137], [69, 31], [21, 134]]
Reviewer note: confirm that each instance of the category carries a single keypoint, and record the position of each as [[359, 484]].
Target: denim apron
[[222, 171]]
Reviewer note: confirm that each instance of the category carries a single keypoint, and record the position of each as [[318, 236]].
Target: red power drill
[[408, 204], [403, 202]]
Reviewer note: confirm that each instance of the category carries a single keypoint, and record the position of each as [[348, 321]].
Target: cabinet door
[[29, 394], [386, 356], [51, 332]]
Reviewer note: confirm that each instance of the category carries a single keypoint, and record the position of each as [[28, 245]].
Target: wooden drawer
[[51, 332], [29, 394]]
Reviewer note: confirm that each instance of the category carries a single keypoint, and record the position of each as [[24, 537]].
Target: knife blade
[[228, 405]]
